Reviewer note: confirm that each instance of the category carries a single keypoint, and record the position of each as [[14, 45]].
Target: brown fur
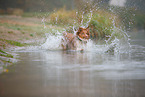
[[71, 41]]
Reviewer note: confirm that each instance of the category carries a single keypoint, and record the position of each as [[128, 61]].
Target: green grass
[[4, 54], [36, 14], [101, 23], [139, 20], [14, 43], [62, 17], [38, 30], [2, 51], [31, 35], [22, 27]]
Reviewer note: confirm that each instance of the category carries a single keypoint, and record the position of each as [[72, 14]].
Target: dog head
[[83, 33]]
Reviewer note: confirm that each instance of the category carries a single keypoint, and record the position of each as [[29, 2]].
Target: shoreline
[[17, 31]]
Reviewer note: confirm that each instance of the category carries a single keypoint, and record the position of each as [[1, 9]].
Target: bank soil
[[16, 31]]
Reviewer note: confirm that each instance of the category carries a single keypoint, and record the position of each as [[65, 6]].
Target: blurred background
[[130, 10], [31, 30]]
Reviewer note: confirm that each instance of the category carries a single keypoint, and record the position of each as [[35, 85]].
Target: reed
[[62, 17], [101, 22]]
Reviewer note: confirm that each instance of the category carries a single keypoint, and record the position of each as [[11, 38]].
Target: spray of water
[[52, 42], [114, 44]]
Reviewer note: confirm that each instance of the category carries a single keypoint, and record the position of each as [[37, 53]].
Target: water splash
[[115, 44], [52, 43], [43, 22], [118, 41]]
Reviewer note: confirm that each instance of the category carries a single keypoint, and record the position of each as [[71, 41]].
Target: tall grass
[[101, 22], [62, 17]]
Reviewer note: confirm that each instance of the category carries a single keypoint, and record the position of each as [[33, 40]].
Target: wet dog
[[75, 42]]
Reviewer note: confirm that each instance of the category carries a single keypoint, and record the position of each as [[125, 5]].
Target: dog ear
[[88, 28], [80, 29]]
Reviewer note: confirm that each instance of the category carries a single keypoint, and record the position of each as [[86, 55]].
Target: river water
[[56, 73]]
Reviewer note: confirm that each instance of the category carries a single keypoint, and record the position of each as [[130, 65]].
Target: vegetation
[[101, 22], [30, 24], [139, 20], [20, 32], [36, 14], [62, 17], [15, 31], [14, 43], [2, 53], [5, 58]]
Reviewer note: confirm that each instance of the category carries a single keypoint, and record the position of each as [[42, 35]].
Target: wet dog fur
[[75, 42]]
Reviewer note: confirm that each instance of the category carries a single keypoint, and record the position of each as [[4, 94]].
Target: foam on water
[[112, 45], [53, 42]]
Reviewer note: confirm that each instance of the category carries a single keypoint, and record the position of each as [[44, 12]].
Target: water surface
[[47, 73]]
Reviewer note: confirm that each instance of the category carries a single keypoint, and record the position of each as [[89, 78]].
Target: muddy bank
[[16, 31]]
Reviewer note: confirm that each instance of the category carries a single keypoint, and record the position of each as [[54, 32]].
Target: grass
[[5, 59], [13, 32], [4, 54], [14, 43], [31, 35], [37, 29], [139, 20], [62, 17], [36, 14], [101, 22]]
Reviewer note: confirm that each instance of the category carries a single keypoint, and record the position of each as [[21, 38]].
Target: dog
[[75, 42]]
